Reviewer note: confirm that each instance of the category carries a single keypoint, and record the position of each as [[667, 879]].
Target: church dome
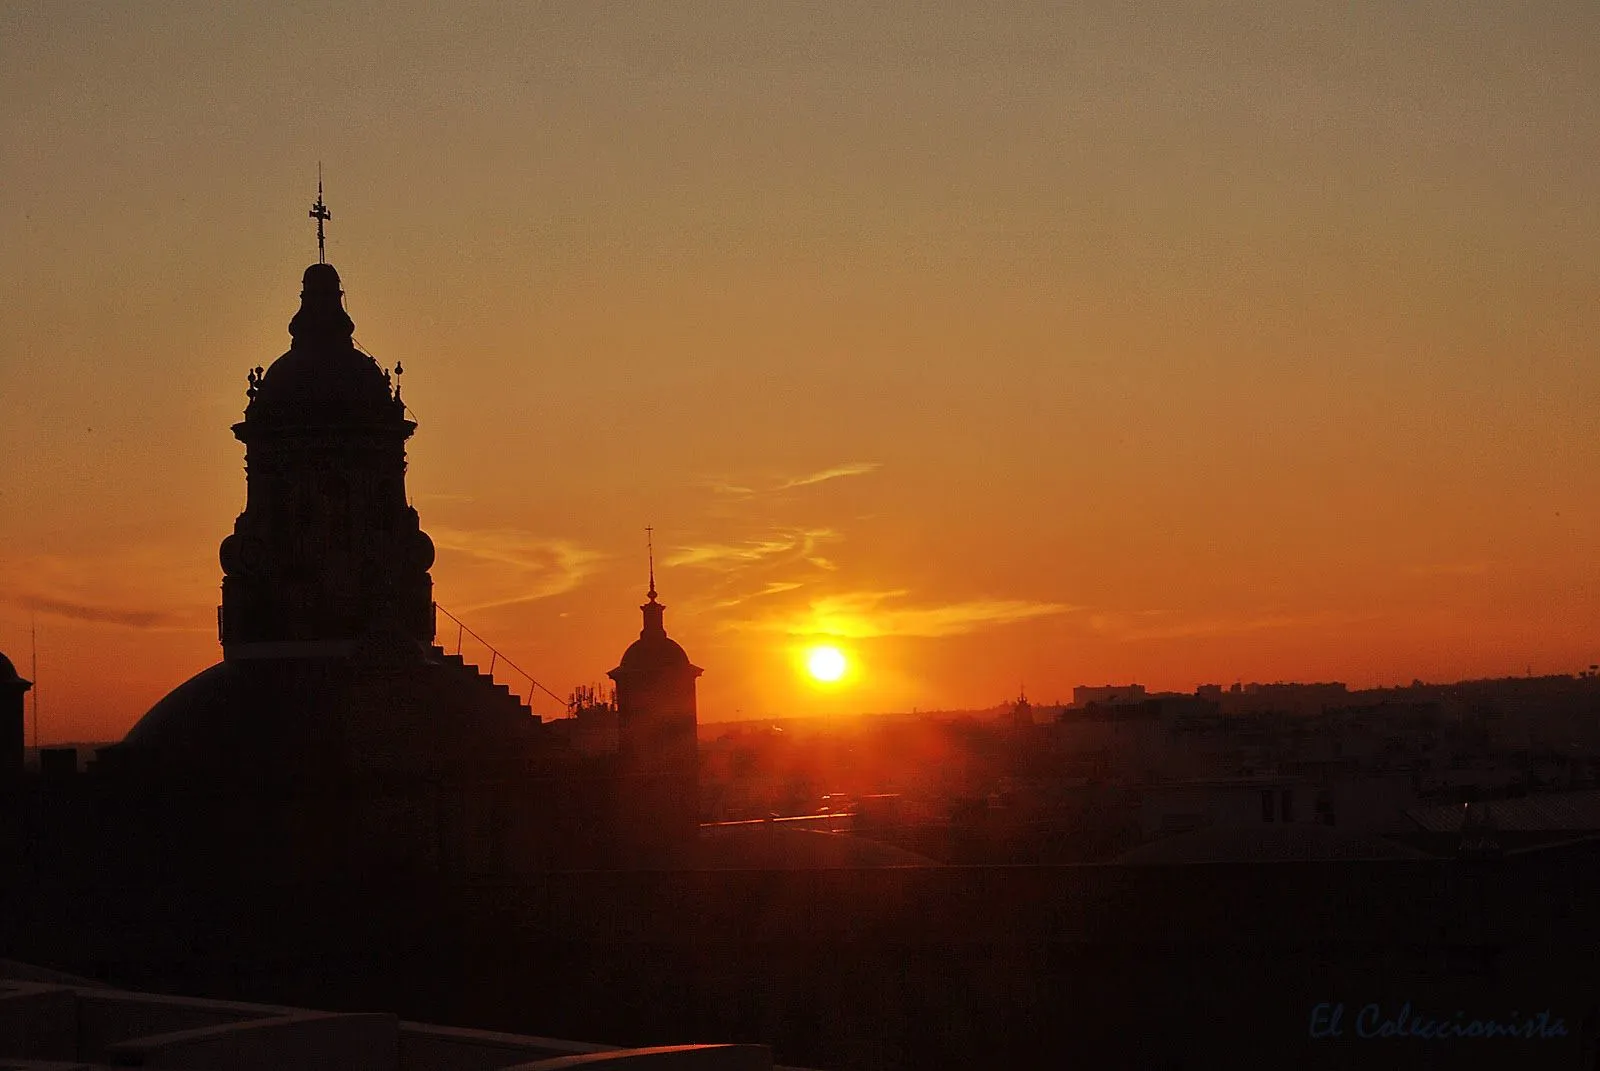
[[388, 708], [231, 713], [653, 651], [323, 379]]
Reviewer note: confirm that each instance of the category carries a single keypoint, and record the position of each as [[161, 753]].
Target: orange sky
[[1048, 346]]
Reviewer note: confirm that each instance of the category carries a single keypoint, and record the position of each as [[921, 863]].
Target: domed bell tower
[[657, 746], [327, 548]]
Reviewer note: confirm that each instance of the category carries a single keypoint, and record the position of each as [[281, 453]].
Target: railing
[[833, 821], [495, 656]]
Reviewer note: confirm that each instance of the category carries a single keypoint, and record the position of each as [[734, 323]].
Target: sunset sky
[[1047, 345]]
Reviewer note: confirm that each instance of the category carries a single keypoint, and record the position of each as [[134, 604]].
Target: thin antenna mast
[[320, 213], [33, 636]]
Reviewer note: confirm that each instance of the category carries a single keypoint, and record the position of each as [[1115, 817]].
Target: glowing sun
[[826, 663]]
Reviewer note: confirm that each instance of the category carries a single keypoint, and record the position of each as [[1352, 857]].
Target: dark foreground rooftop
[[56, 1021]]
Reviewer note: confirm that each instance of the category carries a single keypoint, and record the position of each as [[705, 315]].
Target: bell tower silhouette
[[327, 548], [658, 750]]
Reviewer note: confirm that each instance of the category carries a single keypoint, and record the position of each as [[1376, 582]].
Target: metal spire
[[33, 636], [650, 548], [320, 213]]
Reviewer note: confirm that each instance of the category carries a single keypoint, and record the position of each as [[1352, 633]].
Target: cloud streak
[[781, 545], [102, 615], [126, 586], [871, 614], [776, 587], [526, 567], [810, 479], [851, 468]]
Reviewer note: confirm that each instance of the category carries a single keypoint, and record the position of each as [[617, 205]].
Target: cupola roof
[[323, 379], [654, 650]]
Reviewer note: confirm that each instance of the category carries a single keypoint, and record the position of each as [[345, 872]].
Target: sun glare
[[826, 663]]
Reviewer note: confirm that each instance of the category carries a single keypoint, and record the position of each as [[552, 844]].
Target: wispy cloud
[[835, 472], [526, 566], [776, 587], [852, 468], [128, 586], [728, 487], [779, 545], [102, 615], [867, 614]]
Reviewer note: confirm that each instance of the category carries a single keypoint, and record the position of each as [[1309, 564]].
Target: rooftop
[[52, 1020]]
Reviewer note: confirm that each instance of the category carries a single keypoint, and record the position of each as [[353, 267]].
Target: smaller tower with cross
[[657, 749]]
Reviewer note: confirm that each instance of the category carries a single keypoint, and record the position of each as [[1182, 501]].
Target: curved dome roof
[[382, 709], [232, 711], [8, 672], [323, 378], [653, 651]]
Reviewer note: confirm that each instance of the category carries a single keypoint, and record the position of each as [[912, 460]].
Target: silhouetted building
[[1085, 694], [327, 614], [333, 733], [657, 744], [1022, 713], [327, 549], [1299, 699], [13, 743], [590, 727]]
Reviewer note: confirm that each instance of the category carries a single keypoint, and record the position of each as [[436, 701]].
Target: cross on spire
[[650, 549], [320, 213]]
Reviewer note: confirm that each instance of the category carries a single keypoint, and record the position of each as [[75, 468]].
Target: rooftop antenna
[[320, 213], [650, 549], [33, 636]]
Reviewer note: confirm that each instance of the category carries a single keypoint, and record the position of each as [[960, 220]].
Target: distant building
[[1236, 802], [1514, 823], [591, 725], [1298, 699], [1021, 715], [1085, 694]]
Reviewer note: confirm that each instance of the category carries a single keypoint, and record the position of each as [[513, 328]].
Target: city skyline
[[1038, 349]]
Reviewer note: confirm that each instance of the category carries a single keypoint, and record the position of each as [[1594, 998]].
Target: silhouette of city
[[343, 814]]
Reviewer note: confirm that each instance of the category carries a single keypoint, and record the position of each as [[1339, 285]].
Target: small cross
[[320, 213]]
